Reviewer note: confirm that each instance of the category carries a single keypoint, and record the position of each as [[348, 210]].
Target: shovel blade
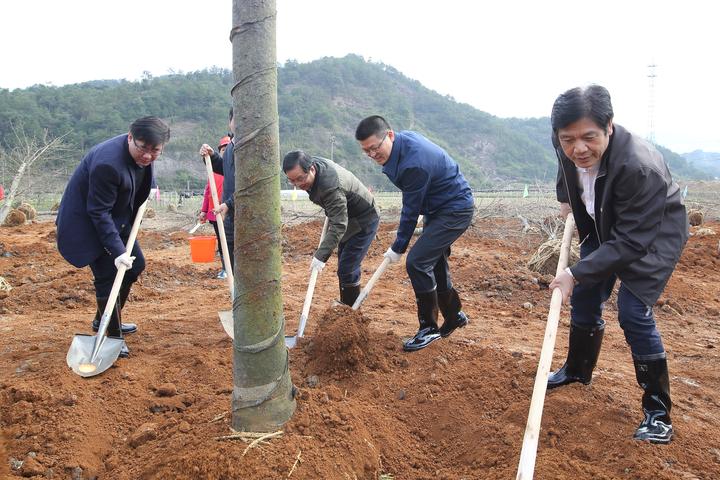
[[290, 342], [81, 350], [226, 318]]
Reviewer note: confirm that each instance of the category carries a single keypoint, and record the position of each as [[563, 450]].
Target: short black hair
[[591, 102], [151, 130], [297, 157], [372, 125]]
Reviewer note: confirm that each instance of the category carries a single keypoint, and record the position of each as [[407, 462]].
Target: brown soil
[[366, 410]]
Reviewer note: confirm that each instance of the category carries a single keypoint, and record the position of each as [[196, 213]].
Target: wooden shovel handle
[[311, 287], [371, 283], [526, 467], [115, 290], [221, 228]]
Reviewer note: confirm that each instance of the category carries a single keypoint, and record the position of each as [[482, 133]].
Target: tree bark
[[263, 393]]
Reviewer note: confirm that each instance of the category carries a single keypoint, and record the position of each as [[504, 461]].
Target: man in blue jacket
[[431, 185], [98, 209]]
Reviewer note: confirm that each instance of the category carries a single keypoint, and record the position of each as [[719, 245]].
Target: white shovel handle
[[311, 287], [115, 290], [526, 467], [221, 228], [371, 283]]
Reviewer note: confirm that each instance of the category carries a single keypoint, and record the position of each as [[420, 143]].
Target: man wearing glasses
[[98, 209], [350, 208], [431, 185]]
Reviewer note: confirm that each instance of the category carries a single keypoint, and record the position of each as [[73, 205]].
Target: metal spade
[[90, 355]]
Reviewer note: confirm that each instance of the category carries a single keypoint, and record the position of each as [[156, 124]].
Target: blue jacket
[[429, 179], [100, 201]]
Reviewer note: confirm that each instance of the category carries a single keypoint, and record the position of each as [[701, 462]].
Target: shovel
[[90, 355], [226, 317], [371, 283], [528, 453], [193, 229], [289, 340]]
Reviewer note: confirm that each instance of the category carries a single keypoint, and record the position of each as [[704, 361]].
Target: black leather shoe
[[124, 351], [423, 338], [449, 326], [126, 327]]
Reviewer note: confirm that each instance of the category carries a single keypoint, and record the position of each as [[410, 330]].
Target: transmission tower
[[651, 103]]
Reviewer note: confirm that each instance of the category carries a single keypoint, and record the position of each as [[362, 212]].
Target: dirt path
[[456, 410]]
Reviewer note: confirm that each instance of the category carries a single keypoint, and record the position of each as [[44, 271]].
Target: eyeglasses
[[374, 150], [300, 179], [155, 152]]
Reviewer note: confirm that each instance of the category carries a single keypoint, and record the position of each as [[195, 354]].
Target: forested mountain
[[706, 161], [320, 103]]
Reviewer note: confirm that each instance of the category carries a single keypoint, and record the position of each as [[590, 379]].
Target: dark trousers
[[636, 319], [214, 223], [352, 252], [427, 262], [104, 271], [229, 224]]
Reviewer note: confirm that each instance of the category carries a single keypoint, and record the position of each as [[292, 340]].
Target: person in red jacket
[[206, 212]]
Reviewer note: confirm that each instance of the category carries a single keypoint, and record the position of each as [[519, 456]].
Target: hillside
[[706, 161], [320, 103]]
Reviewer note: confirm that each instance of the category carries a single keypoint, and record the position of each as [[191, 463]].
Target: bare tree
[[27, 152], [263, 394]]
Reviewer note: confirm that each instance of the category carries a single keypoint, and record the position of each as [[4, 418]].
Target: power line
[[651, 102]]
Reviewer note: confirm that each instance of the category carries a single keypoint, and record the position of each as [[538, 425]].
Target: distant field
[[539, 203]]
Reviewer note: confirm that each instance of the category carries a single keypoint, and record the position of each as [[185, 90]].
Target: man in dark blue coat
[[98, 209], [431, 185]]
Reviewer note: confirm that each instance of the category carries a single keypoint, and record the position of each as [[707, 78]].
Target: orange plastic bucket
[[202, 248]]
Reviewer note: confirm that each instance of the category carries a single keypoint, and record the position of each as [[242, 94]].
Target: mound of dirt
[[455, 410], [343, 344], [28, 210], [15, 218], [696, 217]]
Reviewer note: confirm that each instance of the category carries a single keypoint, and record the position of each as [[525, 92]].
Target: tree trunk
[[263, 393], [10, 195]]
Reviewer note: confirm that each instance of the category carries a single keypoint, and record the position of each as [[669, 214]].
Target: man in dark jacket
[[432, 185], [352, 215], [98, 209], [633, 226], [225, 165]]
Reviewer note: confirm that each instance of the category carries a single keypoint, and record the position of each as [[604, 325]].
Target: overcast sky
[[507, 58]]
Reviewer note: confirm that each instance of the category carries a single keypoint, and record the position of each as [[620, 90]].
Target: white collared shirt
[[586, 181]]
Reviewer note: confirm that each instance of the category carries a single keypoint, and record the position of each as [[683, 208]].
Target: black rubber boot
[[582, 357], [653, 378], [428, 332], [349, 293], [450, 305], [113, 329], [123, 294]]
